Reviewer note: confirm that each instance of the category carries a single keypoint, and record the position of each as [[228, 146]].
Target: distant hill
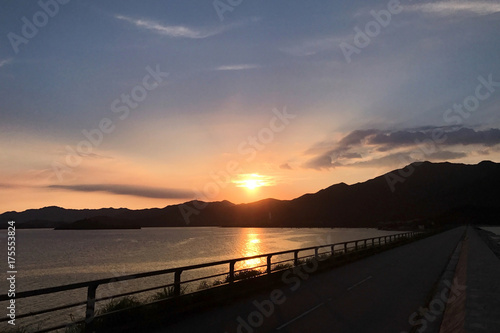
[[429, 193]]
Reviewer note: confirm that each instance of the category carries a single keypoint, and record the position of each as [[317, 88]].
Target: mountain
[[420, 193]]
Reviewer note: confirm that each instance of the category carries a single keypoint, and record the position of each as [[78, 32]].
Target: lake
[[48, 258]]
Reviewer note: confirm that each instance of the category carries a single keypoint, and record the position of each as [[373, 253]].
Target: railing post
[[356, 245], [177, 283], [365, 243], [90, 313], [345, 247], [316, 249], [373, 242], [269, 264], [333, 250], [295, 258], [231, 271]]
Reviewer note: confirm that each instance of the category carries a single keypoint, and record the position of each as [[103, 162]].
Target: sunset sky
[[143, 104]]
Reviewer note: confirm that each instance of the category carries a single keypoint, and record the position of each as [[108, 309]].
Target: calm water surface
[[48, 258]]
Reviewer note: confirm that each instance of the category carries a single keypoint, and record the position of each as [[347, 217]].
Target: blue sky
[[353, 117]]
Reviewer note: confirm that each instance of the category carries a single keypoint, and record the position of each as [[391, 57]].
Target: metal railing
[[231, 276]]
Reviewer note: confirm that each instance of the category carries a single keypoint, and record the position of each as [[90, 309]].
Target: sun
[[252, 181], [251, 184]]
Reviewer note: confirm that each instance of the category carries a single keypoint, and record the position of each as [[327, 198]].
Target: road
[[375, 294]]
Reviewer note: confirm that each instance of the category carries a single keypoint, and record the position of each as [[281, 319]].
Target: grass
[[203, 285], [245, 274], [167, 292], [280, 267], [119, 304]]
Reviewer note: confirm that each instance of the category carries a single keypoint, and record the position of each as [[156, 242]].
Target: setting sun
[[253, 181], [251, 184]]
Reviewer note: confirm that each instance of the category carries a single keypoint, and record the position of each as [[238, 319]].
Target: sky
[[152, 103]]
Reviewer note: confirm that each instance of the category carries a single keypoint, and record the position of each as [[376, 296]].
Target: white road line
[[300, 316], [360, 282]]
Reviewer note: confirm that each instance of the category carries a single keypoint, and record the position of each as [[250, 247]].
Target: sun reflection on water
[[252, 248]]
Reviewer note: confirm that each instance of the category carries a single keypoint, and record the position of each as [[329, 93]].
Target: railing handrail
[[86, 284], [177, 271]]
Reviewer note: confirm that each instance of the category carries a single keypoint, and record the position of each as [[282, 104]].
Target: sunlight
[[253, 181], [251, 249]]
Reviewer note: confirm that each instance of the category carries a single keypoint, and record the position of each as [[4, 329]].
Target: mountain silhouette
[[430, 193]]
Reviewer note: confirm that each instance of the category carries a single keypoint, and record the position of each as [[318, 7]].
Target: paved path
[[377, 294], [482, 305]]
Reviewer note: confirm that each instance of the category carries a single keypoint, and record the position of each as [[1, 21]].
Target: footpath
[[478, 268]]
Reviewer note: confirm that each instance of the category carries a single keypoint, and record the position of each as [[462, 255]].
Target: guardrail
[[231, 276]]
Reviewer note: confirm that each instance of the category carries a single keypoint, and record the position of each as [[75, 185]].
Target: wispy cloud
[[138, 191], [313, 46], [4, 62], [454, 7], [237, 67], [174, 31]]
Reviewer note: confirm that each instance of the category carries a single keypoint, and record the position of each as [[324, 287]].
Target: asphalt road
[[375, 294]]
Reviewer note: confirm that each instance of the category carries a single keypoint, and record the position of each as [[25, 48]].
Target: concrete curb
[[433, 323]]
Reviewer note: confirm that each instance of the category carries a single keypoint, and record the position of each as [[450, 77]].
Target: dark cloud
[[351, 155], [442, 135], [138, 191], [357, 137], [446, 155], [285, 166], [320, 162], [467, 136], [364, 142], [390, 159]]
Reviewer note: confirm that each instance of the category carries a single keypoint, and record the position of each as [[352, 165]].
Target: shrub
[[167, 292], [279, 267], [118, 304], [245, 274]]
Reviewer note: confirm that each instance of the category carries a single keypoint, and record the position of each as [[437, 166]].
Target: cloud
[[138, 191], [174, 31], [237, 67], [285, 166], [446, 155], [4, 62], [445, 8], [313, 46], [451, 136], [362, 147]]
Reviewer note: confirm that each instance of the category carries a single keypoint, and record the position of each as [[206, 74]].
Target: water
[[47, 258]]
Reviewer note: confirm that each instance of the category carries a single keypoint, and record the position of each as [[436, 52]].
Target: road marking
[[360, 282], [321, 304], [299, 316]]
